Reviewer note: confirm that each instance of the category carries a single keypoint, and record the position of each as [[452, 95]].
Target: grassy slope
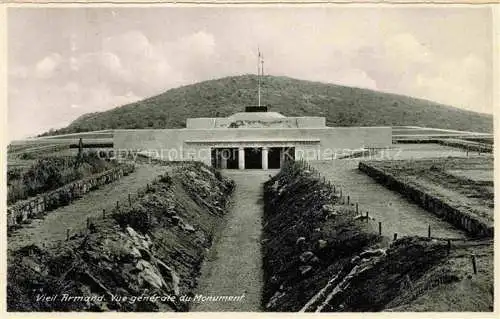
[[342, 106]]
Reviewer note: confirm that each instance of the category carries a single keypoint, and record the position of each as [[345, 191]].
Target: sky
[[65, 62]]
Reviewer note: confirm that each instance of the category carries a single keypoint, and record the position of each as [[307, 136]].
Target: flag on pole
[[262, 64], [258, 62]]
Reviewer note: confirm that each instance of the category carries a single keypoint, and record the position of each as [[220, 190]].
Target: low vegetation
[[321, 256], [144, 256], [49, 173], [342, 106]]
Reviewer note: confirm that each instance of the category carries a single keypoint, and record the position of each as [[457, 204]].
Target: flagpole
[[258, 75], [261, 70]]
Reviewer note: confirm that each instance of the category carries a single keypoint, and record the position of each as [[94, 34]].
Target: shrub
[[13, 174], [137, 217]]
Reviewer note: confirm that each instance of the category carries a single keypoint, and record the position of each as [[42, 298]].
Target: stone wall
[[474, 225], [24, 210], [467, 145]]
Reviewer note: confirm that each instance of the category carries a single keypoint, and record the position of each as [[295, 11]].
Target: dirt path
[[52, 227], [234, 267], [397, 214]]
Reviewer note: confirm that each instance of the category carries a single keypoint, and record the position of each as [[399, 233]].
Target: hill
[[341, 105]]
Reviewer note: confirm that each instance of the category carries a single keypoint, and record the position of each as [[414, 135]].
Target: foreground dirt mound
[[320, 256], [145, 257]]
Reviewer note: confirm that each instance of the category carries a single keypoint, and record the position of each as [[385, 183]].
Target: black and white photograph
[[258, 158]]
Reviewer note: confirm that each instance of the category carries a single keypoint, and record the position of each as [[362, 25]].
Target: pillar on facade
[[265, 152], [223, 160], [241, 158], [217, 154], [282, 156]]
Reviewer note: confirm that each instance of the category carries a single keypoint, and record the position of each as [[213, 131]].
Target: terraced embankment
[[396, 213], [320, 256], [455, 189], [51, 227], [142, 257], [24, 211]]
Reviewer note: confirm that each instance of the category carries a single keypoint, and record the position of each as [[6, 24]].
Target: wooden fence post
[[117, 205], [357, 210], [88, 222], [348, 199], [408, 280], [380, 228], [429, 231], [395, 236], [67, 234], [474, 266], [448, 247], [103, 213], [129, 200]]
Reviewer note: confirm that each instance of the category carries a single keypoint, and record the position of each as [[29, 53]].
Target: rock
[[177, 220], [372, 253], [121, 248], [134, 253], [329, 211], [322, 243], [148, 274], [305, 269], [300, 241], [328, 208], [187, 227], [275, 186], [27, 261], [306, 256], [274, 299], [182, 224], [138, 239], [131, 231], [170, 274]]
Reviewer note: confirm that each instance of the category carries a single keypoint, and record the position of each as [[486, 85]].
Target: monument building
[[256, 138]]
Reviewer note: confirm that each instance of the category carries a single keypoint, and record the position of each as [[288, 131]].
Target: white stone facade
[[259, 140]]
